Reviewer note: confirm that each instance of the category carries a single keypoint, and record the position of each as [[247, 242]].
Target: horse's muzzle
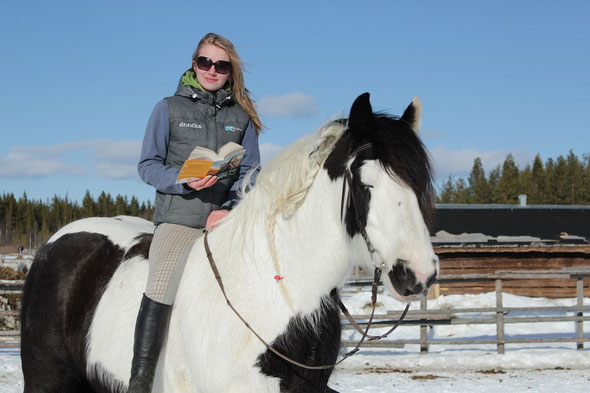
[[406, 284]]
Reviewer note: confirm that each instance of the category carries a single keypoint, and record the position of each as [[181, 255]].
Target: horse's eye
[[366, 185]]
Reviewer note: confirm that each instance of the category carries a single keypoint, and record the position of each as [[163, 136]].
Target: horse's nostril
[[431, 280], [417, 289], [406, 283]]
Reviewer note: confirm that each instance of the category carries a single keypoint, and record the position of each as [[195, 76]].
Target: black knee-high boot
[[150, 331]]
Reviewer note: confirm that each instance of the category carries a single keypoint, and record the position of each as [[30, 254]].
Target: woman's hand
[[214, 218], [205, 182]]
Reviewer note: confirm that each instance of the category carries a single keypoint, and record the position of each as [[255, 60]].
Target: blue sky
[[79, 79]]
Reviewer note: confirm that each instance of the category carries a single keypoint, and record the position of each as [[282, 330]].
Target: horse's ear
[[361, 114], [413, 114]]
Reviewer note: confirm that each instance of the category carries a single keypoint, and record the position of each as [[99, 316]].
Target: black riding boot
[[150, 331]]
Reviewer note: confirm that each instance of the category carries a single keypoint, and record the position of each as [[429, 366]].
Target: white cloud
[[430, 134], [458, 163], [296, 104], [108, 159], [268, 151]]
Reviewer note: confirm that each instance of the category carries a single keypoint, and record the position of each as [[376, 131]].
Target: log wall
[[488, 260]]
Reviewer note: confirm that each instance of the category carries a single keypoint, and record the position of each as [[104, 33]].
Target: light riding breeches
[[168, 254]]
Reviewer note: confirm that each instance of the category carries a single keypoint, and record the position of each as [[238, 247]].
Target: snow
[[542, 367]]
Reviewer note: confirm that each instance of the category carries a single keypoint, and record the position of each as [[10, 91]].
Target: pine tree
[[561, 185], [494, 180], [539, 182], [508, 182], [575, 174], [480, 189], [525, 183], [88, 205], [462, 194], [120, 205], [447, 194], [133, 207], [586, 180]]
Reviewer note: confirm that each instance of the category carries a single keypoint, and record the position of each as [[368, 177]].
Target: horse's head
[[387, 174]]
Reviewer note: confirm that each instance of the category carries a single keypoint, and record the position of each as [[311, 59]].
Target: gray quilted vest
[[204, 119]]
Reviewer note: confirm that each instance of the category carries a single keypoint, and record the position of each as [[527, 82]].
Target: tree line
[[31, 223], [561, 181]]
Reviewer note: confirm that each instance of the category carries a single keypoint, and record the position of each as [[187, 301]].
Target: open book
[[203, 162]]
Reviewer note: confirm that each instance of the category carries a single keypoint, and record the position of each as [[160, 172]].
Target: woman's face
[[211, 80]]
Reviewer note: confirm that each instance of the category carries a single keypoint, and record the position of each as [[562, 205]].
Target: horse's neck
[[311, 247]]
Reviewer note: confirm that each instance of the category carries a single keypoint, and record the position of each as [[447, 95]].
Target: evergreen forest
[[561, 181], [31, 223]]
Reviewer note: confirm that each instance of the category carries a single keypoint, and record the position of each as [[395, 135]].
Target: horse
[[282, 254]]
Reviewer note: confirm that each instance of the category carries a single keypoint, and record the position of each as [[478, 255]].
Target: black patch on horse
[[60, 296], [141, 248], [312, 345]]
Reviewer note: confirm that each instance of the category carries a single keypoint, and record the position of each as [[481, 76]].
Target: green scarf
[[190, 79]]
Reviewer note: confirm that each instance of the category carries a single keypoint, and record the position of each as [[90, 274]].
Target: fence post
[[423, 328], [580, 304], [499, 318]]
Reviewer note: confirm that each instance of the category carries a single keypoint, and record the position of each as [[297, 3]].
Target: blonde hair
[[239, 91]]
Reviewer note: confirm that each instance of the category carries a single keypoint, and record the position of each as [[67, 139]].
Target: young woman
[[210, 108]]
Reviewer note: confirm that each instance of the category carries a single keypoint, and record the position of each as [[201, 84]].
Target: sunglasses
[[221, 66]]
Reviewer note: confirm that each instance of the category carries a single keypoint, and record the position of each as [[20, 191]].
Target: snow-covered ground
[[547, 367]]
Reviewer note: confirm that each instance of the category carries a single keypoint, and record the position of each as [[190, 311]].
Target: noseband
[[374, 286]]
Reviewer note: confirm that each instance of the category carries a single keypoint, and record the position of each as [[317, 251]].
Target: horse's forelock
[[402, 154]]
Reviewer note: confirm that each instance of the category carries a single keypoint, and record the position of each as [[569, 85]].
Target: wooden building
[[487, 239]]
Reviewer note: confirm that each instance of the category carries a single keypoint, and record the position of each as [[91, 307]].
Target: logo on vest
[[232, 128], [189, 125]]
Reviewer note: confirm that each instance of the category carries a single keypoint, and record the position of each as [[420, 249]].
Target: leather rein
[[374, 286]]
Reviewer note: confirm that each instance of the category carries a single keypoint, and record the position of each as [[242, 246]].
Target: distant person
[[210, 108]]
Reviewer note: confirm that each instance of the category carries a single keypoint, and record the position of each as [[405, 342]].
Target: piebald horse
[[282, 253]]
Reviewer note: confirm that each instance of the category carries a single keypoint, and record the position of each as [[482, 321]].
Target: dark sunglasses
[[221, 66]]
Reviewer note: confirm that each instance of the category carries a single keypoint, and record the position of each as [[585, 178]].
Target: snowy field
[[547, 367]]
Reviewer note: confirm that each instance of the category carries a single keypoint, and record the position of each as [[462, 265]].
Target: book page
[[229, 166], [202, 153], [228, 149]]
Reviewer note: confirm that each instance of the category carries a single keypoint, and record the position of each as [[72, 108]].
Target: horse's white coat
[[208, 350]]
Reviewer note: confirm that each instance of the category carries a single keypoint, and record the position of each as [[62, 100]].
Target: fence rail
[[498, 315]]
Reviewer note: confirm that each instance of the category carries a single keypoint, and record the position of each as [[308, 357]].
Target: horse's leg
[[48, 370]]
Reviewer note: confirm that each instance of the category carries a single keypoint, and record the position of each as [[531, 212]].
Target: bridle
[[372, 252], [374, 286]]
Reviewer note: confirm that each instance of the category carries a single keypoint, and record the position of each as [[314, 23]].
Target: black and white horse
[[282, 253]]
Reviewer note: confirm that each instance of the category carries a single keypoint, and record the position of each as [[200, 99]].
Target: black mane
[[401, 152]]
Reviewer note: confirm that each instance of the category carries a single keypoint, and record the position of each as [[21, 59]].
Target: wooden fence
[[498, 315], [423, 318]]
